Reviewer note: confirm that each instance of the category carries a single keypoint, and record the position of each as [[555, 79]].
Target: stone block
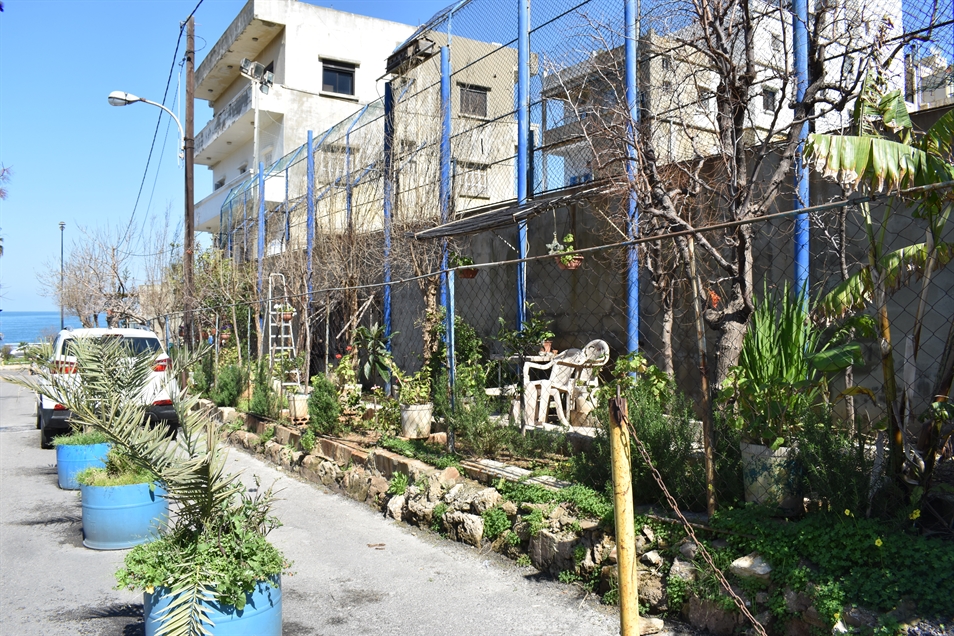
[[708, 615], [395, 508], [357, 482], [550, 552], [464, 527], [485, 500], [752, 566]]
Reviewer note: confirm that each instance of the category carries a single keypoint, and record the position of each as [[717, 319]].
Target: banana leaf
[[899, 267]]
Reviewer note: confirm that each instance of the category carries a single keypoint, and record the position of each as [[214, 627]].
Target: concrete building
[[326, 65]]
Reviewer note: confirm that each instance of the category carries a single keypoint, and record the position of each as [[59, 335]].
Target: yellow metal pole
[[625, 520]]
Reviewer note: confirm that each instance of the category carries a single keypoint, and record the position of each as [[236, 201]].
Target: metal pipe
[[310, 195], [631, 16], [800, 42], [62, 312], [523, 137], [261, 240], [445, 167], [388, 203]]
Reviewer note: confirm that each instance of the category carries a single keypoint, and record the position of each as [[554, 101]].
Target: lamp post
[[120, 98], [62, 317]]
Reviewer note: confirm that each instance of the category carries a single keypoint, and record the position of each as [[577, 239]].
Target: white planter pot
[[298, 406], [416, 420], [770, 476]]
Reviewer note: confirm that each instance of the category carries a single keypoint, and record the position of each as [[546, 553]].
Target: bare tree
[[719, 125]]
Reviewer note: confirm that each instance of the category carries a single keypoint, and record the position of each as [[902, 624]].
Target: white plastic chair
[[574, 374]]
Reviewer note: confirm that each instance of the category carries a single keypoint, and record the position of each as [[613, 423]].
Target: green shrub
[[323, 406], [203, 376], [853, 559], [398, 484], [307, 441], [496, 522], [264, 400], [437, 521], [80, 439], [230, 384]]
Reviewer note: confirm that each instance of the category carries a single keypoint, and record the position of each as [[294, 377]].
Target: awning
[[507, 213]]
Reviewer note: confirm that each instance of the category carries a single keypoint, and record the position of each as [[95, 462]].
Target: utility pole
[[189, 149]]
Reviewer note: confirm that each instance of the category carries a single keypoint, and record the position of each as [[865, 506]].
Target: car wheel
[[46, 440]]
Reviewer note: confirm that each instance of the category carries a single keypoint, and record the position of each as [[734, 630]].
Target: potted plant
[[77, 452], [562, 252], [530, 338], [414, 396], [55, 381], [461, 262], [776, 383], [189, 588], [286, 310], [122, 504]]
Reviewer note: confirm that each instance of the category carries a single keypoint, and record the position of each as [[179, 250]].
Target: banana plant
[[887, 155]]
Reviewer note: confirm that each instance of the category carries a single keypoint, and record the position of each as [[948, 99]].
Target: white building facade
[[326, 65]]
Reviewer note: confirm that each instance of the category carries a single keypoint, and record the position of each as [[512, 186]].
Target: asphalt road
[[417, 585]]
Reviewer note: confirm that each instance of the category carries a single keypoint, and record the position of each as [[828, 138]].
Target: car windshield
[[135, 345]]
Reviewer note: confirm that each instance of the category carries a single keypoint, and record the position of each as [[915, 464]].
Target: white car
[[52, 418]]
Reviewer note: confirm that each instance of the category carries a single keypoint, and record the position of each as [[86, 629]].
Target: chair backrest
[[595, 355], [561, 374]]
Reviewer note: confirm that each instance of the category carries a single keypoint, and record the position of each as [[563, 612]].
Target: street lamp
[[62, 317], [121, 98]]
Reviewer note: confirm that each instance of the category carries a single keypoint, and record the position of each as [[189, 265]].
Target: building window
[[769, 99], [243, 168], [776, 43], [219, 183], [473, 180], [473, 100], [666, 63], [337, 77], [667, 87], [578, 179]]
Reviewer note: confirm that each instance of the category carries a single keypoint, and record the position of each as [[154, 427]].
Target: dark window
[[768, 99], [220, 183], [666, 63], [337, 77], [473, 101]]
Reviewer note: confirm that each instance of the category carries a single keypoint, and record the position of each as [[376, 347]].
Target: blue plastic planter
[[72, 460], [117, 517], [262, 615]]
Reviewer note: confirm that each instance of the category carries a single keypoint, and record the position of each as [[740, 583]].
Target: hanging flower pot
[[570, 262], [468, 272]]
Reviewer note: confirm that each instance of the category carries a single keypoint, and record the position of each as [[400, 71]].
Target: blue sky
[[75, 158]]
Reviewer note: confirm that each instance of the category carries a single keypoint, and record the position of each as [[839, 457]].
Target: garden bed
[[566, 531]]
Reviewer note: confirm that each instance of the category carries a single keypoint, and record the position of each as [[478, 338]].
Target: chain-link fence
[[613, 178]]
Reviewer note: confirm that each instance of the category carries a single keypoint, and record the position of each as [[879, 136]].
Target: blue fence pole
[[800, 41], [310, 196], [445, 159], [447, 280], [523, 137], [388, 203], [631, 16]]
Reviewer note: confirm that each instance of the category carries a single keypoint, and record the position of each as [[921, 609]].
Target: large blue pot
[[71, 460], [117, 517], [261, 616]]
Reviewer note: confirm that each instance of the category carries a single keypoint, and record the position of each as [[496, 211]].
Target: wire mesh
[[707, 152]]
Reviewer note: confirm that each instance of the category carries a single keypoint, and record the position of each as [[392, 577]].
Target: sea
[[33, 326]]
